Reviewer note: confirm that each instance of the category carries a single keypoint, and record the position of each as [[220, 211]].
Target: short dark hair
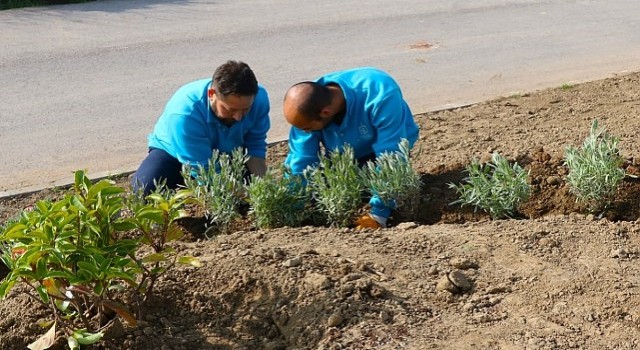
[[235, 78], [316, 98]]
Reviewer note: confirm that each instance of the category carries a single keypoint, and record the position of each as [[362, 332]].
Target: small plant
[[71, 257], [336, 185], [495, 187], [219, 188], [277, 199], [566, 86], [393, 179], [154, 220], [78, 255], [595, 170]]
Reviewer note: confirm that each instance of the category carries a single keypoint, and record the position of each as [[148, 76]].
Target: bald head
[[304, 102]]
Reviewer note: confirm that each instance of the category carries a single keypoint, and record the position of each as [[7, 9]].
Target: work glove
[[370, 221]]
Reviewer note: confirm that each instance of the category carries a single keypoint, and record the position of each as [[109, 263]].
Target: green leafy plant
[[595, 170], [78, 256], [277, 199], [71, 257], [496, 187], [336, 185], [393, 179], [219, 188], [154, 219]]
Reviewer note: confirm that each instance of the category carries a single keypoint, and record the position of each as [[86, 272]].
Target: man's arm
[[303, 150]]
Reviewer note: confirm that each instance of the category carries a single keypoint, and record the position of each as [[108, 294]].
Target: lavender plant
[[219, 188], [595, 170], [496, 187], [393, 179], [336, 185], [277, 199]]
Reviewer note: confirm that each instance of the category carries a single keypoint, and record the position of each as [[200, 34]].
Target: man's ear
[[326, 112], [212, 92]]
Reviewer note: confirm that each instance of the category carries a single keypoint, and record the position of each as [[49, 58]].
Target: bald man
[[361, 107]]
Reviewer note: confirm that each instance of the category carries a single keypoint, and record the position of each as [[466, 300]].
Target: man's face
[[296, 119], [311, 125], [230, 109]]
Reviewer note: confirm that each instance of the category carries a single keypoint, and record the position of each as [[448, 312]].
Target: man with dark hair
[[361, 107], [228, 111]]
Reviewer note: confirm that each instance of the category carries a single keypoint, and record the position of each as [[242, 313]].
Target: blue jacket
[[376, 119], [189, 131]]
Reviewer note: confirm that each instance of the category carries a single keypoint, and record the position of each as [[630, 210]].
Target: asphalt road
[[82, 85]]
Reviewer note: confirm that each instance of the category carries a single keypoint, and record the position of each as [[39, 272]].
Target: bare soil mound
[[554, 278]]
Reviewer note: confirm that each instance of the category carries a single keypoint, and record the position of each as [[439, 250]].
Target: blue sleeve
[[255, 140], [303, 150]]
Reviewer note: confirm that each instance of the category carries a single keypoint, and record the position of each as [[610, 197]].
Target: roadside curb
[[65, 183], [68, 182]]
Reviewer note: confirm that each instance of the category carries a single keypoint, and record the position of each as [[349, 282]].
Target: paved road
[[81, 85]]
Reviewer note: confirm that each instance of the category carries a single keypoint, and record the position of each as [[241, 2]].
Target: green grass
[[566, 86], [13, 4]]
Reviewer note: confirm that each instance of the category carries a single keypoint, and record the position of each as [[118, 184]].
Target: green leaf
[[41, 268], [121, 274], [78, 204], [124, 226], [83, 276], [168, 250], [154, 258], [15, 231], [42, 292], [98, 288], [91, 267], [5, 287], [73, 343], [190, 260], [95, 190], [87, 338], [152, 214], [62, 305], [174, 233], [43, 206]]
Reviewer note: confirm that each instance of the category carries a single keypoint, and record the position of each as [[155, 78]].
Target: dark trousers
[[157, 166]]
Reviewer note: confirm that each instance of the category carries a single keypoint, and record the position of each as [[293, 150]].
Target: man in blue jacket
[[228, 111], [362, 107]]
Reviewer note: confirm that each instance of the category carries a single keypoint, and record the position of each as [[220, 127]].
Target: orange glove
[[366, 221]]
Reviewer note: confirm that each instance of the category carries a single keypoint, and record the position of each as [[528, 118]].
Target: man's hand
[[257, 166]]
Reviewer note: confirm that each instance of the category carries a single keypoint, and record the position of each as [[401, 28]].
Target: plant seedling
[[595, 170], [336, 185], [496, 187]]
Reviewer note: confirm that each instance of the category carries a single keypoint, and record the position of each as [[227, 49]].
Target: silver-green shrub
[[595, 170], [392, 178], [496, 187], [336, 185], [277, 199], [219, 188]]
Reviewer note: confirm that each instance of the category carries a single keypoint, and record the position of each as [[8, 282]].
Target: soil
[[553, 278]]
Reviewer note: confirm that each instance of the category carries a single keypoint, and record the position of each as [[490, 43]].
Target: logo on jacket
[[364, 131]]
